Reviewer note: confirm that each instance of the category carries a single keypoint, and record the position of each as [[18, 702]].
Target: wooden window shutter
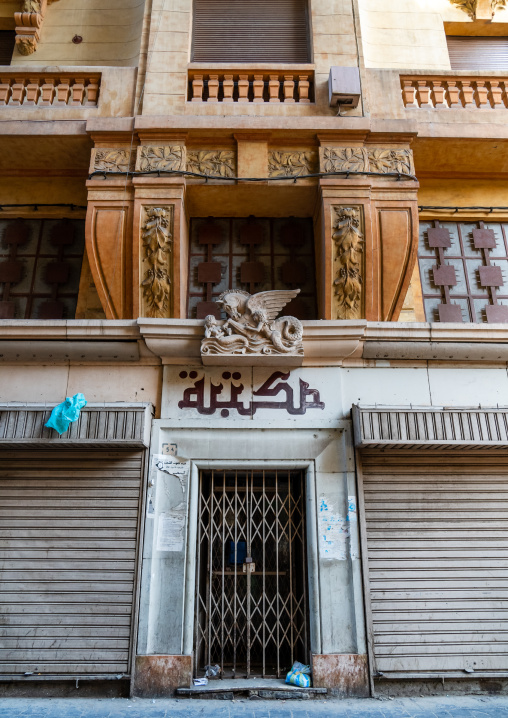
[[478, 53], [7, 42], [251, 31]]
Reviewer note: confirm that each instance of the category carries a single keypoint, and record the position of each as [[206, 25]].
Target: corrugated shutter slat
[[69, 528], [478, 53], [437, 549], [251, 31]]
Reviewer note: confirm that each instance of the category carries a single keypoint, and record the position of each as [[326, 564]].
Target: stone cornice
[[177, 341]]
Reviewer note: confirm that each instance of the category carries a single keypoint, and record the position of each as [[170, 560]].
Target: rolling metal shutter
[[478, 53], [68, 530], [437, 544], [251, 31]]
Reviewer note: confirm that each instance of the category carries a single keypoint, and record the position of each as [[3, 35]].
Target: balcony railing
[[49, 89], [449, 92], [251, 86]]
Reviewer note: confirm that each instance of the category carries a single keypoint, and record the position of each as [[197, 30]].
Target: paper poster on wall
[[173, 465], [170, 533], [333, 532]]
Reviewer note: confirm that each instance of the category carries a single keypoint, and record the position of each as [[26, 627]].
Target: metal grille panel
[[251, 608]]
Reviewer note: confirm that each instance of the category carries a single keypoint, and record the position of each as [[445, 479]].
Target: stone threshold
[[251, 688]]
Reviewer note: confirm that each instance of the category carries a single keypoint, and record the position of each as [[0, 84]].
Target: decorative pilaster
[[348, 239], [156, 262], [480, 9]]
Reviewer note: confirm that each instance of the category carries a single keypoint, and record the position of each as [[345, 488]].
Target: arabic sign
[[250, 394]]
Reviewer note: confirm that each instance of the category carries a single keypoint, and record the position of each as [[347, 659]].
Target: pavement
[[425, 707]]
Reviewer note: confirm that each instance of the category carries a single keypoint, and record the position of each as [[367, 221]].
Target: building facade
[[336, 495]]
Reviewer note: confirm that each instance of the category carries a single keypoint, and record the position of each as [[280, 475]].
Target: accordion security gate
[[251, 604]]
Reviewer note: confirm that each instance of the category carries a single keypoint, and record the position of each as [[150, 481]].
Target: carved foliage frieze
[[220, 163], [470, 6], [165, 158], [156, 261], [362, 159], [291, 164], [113, 159], [348, 241]]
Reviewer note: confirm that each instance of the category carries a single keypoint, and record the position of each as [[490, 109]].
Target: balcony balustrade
[[251, 86], [49, 89], [454, 92]]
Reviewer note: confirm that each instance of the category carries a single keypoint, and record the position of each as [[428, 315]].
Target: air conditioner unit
[[344, 87]]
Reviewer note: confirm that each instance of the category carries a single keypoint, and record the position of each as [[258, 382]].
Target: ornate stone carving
[[156, 240], [472, 7], [335, 159], [220, 163], [112, 159], [361, 159], [348, 250], [291, 164], [252, 327], [386, 160], [167, 157], [28, 25]]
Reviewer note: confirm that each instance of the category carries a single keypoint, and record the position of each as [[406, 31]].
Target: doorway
[[251, 615]]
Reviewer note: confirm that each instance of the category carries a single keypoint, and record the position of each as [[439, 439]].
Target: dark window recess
[[464, 271], [40, 267], [7, 42], [478, 53], [253, 254], [251, 31]]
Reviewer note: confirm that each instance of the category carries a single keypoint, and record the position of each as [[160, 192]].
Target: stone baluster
[[496, 94], [47, 92], [467, 93], [438, 94], [197, 88], [423, 94], [18, 91], [213, 88], [409, 93], [228, 87], [63, 91], [273, 88], [452, 94], [243, 88], [259, 88], [32, 91], [92, 90], [482, 94], [5, 90], [78, 91], [289, 88], [303, 88]]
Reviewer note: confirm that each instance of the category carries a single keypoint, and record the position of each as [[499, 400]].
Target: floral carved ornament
[[156, 241], [470, 7], [348, 239]]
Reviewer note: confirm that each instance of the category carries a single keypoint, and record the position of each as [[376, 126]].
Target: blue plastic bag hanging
[[65, 413]]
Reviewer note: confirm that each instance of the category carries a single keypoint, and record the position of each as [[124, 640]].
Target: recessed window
[[464, 271], [253, 254], [478, 53], [7, 42], [40, 268], [251, 31]]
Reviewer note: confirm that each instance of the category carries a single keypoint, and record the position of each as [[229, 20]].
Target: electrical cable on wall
[[183, 173]]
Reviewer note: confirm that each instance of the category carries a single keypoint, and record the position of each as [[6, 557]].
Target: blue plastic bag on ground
[[66, 412], [299, 675]]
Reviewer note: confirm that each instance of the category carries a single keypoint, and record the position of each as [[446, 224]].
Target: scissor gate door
[[251, 603]]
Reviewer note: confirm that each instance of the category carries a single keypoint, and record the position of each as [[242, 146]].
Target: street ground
[[427, 707]]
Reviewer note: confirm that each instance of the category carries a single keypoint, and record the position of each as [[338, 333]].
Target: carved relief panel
[[348, 262], [156, 251]]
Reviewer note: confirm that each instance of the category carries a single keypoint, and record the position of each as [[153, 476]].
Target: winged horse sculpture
[[252, 326]]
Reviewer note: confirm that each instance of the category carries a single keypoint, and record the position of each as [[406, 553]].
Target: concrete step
[[253, 689]]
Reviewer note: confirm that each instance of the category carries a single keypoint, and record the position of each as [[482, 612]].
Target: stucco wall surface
[[111, 32]]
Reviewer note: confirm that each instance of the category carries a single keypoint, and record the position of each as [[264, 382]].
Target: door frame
[[311, 542]]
